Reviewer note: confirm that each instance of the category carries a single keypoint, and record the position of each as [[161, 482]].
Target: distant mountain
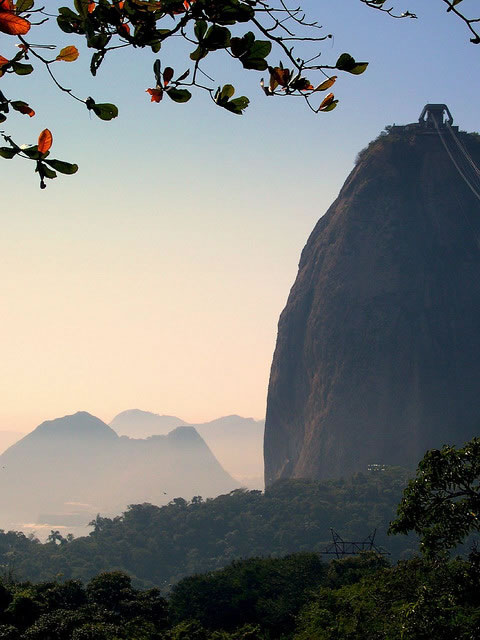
[[7, 438], [142, 424], [77, 466], [237, 442]]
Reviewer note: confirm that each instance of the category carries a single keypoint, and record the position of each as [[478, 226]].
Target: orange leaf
[[3, 61], [91, 7], [45, 140], [68, 54], [6, 5], [328, 100], [157, 94], [26, 110], [13, 25], [281, 76], [327, 84]]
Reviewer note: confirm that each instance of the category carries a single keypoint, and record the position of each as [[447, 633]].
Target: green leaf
[[232, 12], [98, 40], [69, 22], [105, 111], [96, 61], [2, 117], [227, 92], [200, 29], [183, 76], [8, 152], [347, 63], [239, 46], [23, 5], [179, 95], [256, 64], [199, 53], [82, 7], [63, 167], [234, 106], [157, 69], [32, 152], [48, 173], [359, 68], [66, 12], [260, 49], [21, 69], [254, 57], [217, 38], [238, 105], [245, 13]]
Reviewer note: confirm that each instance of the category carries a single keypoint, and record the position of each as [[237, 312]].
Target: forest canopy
[[158, 546]]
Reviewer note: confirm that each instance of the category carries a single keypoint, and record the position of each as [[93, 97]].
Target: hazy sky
[[154, 278]]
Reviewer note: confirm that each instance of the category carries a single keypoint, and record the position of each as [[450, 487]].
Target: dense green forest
[[300, 596], [158, 546], [297, 597]]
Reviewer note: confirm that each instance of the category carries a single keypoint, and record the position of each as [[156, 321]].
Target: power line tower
[[340, 547]]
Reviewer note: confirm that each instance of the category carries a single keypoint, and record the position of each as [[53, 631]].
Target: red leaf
[[13, 25], [167, 75], [26, 110], [45, 140], [157, 94]]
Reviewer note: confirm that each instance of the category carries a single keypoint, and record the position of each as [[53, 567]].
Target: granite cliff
[[378, 350]]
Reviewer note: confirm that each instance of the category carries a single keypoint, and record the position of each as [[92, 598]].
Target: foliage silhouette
[[247, 31]]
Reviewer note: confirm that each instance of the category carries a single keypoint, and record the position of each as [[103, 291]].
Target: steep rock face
[[378, 349]]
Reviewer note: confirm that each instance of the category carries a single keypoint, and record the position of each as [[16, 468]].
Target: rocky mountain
[[235, 441], [69, 469], [378, 350]]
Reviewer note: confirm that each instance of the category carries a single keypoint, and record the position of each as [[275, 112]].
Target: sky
[[154, 278]]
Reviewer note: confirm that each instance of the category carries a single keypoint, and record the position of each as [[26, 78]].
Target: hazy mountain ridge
[[237, 442], [8, 438], [142, 424], [77, 465]]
